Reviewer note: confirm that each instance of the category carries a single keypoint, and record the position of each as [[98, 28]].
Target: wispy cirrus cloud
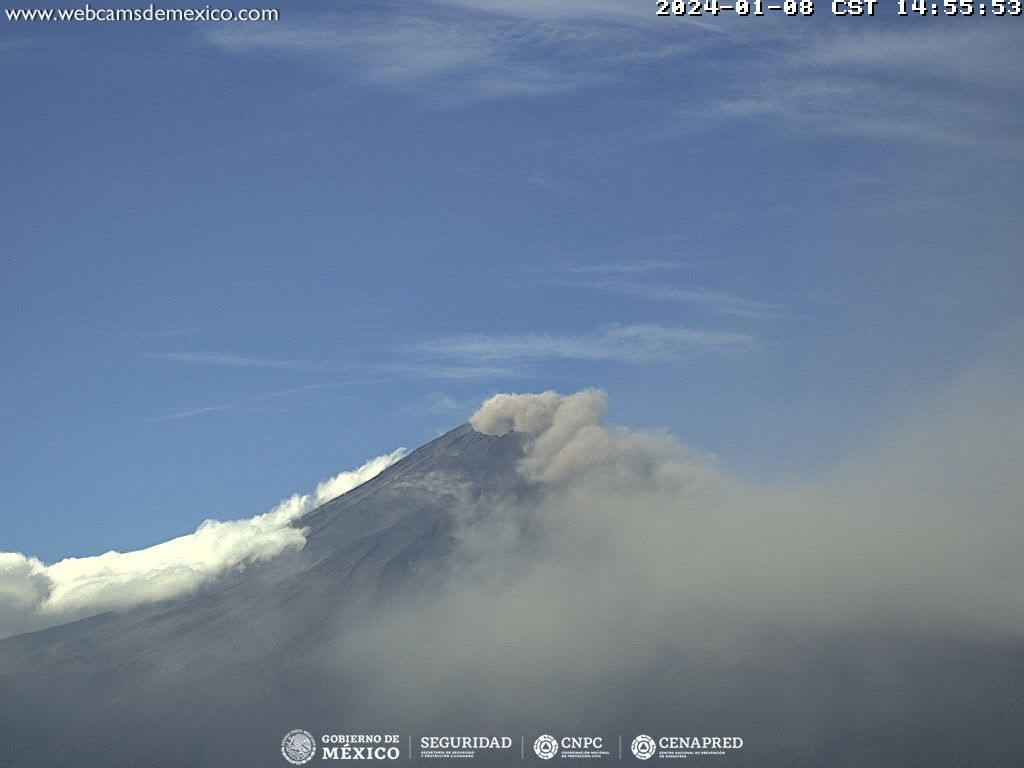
[[637, 343], [239, 361], [439, 404], [926, 86], [930, 85], [963, 54], [715, 302], [180, 332], [452, 371], [621, 267], [300, 390], [251, 401], [234, 361], [625, 278], [474, 59], [603, 10], [188, 413]]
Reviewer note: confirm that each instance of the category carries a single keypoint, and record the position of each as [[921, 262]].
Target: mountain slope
[[155, 680]]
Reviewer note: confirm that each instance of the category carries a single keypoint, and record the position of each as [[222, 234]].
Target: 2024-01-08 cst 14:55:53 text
[[996, 8]]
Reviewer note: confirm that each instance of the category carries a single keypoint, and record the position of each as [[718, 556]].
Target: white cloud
[[301, 390], [34, 595], [190, 412], [466, 371], [930, 86], [636, 343], [617, 10], [943, 53], [716, 302], [475, 60], [345, 481], [927, 85], [233, 361], [622, 267]]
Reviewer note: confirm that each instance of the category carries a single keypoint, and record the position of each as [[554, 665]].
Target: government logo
[[644, 747], [298, 746], [546, 747]]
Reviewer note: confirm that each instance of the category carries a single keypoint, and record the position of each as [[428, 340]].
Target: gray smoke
[[640, 582]]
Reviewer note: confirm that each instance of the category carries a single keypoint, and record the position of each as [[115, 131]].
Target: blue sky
[[240, 258]]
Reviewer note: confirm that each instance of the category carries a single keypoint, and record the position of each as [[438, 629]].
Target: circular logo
[[298, 746], [546, 747], [644, 747]]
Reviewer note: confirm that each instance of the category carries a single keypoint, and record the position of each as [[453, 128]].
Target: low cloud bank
[[34, 595]]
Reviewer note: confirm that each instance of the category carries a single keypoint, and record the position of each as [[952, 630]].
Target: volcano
[[207, 680], [329, 639]]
